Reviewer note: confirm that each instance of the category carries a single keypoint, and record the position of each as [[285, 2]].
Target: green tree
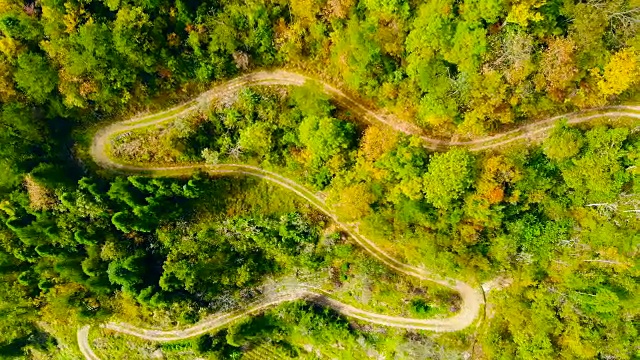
[[406, 164], [563, 143], [598, 175], [488, 10], [469, 44], [325, 137], [35, 76], [431, 34], [352, 202], [310, 101], [131, 39], [449, 174], [256, 139], [357, 55]]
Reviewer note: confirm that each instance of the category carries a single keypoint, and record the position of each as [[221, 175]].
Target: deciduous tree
[[449, 175]]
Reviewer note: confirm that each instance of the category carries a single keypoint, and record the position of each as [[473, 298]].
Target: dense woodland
[[79, 244], [536, 213]]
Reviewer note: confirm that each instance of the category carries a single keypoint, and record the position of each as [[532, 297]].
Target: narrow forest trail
[[228, 89], [83, 343], [472, 297]]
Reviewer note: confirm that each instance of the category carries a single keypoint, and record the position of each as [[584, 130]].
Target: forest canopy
[[557, 215]]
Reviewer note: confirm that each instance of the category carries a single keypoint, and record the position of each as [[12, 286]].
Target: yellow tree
[[620, 73], [7, 6], [523, 12], [9, 46], [489, 104], [7, 88], [305, 11], [377, 141], [352, 202]]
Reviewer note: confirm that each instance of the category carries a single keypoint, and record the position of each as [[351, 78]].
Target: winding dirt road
[[288, 78], [472, 297]]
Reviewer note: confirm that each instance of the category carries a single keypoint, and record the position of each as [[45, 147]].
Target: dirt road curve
[[472, 297], [83, 344]]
